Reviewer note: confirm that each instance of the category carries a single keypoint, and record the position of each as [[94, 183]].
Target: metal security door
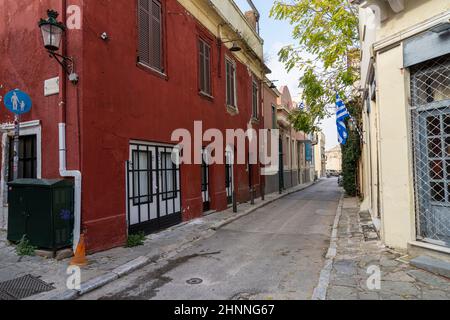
[[205, 184], [229, 181], [431, 138], [153, 188]]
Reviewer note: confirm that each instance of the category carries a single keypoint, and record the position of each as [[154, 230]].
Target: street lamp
[[52, 31]]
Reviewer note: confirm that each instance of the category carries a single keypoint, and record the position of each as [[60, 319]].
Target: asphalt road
[[276, 252]]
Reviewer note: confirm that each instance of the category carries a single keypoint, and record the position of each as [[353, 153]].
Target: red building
[[146, 68]]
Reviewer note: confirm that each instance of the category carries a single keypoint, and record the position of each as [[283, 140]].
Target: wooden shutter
[[205, 67], [255, 100], [144, 32], [150, 34], [232, 84], [228, 76], [201, 63], [208, 69], [156, 36]]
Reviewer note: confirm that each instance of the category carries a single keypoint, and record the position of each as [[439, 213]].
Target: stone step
[[432, 265]]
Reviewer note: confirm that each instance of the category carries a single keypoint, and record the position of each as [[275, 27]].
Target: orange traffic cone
[[80, 254]]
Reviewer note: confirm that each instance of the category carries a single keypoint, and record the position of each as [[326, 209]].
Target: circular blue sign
[[17, 102]]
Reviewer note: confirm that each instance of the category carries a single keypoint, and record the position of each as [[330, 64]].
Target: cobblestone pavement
[[355, 257], [157, 246]]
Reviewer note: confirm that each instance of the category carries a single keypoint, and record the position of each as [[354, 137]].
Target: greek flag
[[341, 115]]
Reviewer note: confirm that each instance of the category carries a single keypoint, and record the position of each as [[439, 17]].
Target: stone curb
[[142, 261], [258, 206], [320, 292]]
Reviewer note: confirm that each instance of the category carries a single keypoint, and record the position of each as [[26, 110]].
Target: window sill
[[232, 110], [206, 96], [255, 121], [152, 71]]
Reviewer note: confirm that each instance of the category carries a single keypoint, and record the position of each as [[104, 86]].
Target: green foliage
[[328, 41], [135, 240], [351, 154], [24, 248]]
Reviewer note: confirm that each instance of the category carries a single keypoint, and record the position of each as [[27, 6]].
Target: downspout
[[76, 175]]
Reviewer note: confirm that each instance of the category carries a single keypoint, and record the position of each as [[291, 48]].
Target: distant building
[[297, 156], [320, 157], [270, 110], [334, 159]]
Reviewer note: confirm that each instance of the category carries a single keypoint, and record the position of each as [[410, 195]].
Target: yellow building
[[405, 71], [320, 157], [334, 159]]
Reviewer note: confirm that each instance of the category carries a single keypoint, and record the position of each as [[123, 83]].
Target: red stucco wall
[[118, 101]]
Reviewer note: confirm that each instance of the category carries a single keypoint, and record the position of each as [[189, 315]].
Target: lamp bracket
[[67, 63]]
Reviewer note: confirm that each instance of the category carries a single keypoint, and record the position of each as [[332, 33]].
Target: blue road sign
[[17, 102]]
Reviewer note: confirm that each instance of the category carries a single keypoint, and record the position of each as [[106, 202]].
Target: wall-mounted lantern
[[52, 32]]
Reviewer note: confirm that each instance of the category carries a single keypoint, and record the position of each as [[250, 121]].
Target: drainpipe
[[76, 175]]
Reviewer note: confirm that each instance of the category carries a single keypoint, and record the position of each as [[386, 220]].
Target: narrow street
[[275, 253]]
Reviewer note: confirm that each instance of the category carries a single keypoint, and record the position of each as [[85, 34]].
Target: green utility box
[[43, 210]]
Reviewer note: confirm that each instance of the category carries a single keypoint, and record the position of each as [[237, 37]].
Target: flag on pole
[[341, 114]]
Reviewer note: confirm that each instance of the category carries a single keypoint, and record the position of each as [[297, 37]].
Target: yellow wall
[[387, 127], [416, 11], [209, 17], [396, 187]]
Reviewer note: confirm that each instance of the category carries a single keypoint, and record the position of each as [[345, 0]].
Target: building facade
[[167, 64], [406, 84], [334, 159], [270, 108], [320, 157], [296, 148]]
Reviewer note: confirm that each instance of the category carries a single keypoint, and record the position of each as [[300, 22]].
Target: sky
[[277, 34]]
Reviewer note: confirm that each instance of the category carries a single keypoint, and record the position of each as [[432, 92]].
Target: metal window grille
[[27, 158], [153, 188], [430, 116]]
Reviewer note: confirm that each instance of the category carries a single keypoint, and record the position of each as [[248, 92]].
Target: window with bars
[[27, 165], [142, 177], [255, 100], [168, 179], [231, 83], [204, 67], [274, 117], [150, 32], [430, 115]]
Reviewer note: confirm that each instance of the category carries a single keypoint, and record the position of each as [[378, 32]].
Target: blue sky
[[277, 34]]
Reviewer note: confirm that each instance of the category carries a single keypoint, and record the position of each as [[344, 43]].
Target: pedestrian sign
[[17, 102]]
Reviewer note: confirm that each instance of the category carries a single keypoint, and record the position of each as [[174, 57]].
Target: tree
[[328, 45]]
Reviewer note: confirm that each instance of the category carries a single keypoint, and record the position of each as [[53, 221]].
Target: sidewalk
[[105, 267], [358, 250]]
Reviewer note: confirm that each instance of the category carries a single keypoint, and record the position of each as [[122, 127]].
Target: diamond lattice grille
[[430, 111]]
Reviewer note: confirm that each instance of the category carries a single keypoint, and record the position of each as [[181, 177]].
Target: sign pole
[[18, 102], [16, 147]]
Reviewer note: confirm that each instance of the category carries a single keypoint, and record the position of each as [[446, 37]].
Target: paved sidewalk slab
[[433, 265], [359, 259]]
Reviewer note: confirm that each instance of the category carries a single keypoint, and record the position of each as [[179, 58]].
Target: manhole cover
[[23, 287], [194, 281]]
